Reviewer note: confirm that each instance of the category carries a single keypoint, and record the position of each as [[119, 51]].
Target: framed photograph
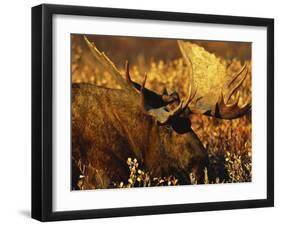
[[147, 112]]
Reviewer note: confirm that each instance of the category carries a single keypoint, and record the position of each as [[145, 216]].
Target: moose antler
[[142, 91], [111, 68], [155, 105], [215, 89]]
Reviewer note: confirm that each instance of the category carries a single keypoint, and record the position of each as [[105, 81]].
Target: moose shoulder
[[110, 125]]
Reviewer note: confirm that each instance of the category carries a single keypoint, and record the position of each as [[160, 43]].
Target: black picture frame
[[42, 111]]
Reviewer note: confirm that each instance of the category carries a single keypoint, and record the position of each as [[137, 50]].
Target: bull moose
[[110, 125]]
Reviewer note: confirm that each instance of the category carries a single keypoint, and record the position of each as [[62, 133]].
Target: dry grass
[[228, 142]]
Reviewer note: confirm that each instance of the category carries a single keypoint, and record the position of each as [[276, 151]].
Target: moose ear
[[181, 124], [164, 116]]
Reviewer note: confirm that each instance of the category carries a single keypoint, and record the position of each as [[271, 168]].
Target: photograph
[[143, 112], [149, 112]]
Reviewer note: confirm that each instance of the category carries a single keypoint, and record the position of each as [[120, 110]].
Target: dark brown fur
[[108, 126]]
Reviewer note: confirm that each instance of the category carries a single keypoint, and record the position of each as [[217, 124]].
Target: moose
[[109, 125]]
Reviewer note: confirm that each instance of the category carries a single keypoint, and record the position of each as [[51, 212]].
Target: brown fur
[[108, 126]]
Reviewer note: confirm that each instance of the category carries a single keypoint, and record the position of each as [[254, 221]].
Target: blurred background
[[146, 50]]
